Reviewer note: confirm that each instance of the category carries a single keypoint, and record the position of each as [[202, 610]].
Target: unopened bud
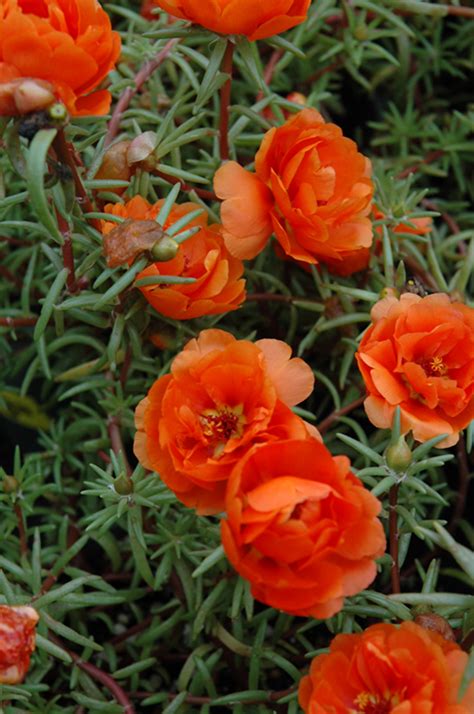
[[33, 94], [165, 249], [431, 621], [361, 32], [297, 98], [123, 485], [10, 484], [398, 456], [58, 112], [25, 95], [389, 292], [141, 150]]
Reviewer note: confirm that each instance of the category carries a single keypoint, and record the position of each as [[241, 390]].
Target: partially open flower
[[62, 49], [17, 642], [256, 20], [311, 188], [388, 670], [223, 396], [418, 354]]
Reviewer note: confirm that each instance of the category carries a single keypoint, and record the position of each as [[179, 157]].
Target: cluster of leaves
[[129, 582]]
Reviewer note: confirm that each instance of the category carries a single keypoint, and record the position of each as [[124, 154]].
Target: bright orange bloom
[[218, 285], [17, 642], [223, 396], [311, 187], [68, 43], [418, 354], [301, 527], [356, 260], [256, 20], [387, 670]]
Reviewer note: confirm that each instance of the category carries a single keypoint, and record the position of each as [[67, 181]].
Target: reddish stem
[[225, 102], [394, 537], [428, 159], [105, 679], [140, 78], [65, 153], [328, 422], [18, 321], [115, 436]]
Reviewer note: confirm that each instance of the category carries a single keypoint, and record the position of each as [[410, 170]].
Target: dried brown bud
[[435, 623], [25, 95], [10, 484], [141, 150], [114, 166], [129, 239]]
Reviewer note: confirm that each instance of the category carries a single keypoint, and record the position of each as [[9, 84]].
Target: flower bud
[[58, 113], [10, 484], [17, 642], [165, 249], [141, 150], [398, 456], [389, 292], [115, 165], [25, 95], [431, 621], [123, 485], [297, 98]]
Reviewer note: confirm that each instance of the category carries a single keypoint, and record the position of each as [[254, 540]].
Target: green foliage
[[126, 579]]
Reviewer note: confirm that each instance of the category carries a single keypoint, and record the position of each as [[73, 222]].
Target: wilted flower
[[301, 527], [388, 670], [60, 49], [218, 285], [223, 396], [17, 642], [311, 187], [418, 355]]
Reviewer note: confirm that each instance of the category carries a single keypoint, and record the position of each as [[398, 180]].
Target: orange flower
[[418, 354], [17, 642], [301, 527], [355, 260], [223, 395], [256, 20], [218, 285], [67, 43], [311, 187], [387, 670], [417, 226]]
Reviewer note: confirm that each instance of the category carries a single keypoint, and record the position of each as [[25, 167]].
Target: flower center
[[366, 703], [435, 367], [220, 425]]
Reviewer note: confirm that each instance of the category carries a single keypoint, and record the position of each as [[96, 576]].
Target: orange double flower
[[256, 20], [301, 527], [59, 49], [388, 670], [223, 396], [418, 355]]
